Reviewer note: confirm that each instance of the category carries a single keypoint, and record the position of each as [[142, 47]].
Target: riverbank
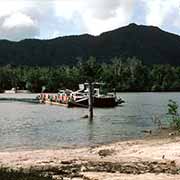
[[155, 157]]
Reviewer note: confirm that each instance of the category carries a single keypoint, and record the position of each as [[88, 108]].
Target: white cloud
[[8, 6], [16, 20], [105, 9], [21, 19], [98, 15], [108, 15], [159, 11], [15, 23], [66, 8], [50, 18]]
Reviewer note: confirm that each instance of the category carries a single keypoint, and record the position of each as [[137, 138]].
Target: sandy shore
[[150, 158]]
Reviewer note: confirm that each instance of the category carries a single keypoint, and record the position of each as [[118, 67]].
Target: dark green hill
[[148, 43]]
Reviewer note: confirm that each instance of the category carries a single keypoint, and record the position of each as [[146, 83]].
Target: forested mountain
[[147, 43]]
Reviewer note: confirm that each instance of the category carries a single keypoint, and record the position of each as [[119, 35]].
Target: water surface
[[36, 126]]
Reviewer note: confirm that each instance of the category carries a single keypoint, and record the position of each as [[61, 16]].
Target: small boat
[[16, 90], [12, 91]]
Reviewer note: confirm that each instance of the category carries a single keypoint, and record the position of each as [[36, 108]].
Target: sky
[[47, 19]]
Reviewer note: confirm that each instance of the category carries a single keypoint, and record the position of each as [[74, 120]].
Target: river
[[38, 126]]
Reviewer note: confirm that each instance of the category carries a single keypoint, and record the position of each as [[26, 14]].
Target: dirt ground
[[147, 159]]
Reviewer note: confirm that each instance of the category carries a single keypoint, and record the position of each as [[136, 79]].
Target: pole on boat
[[90, 101]]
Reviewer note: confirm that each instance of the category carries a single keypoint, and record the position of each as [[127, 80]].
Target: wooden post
[[115, 92], [91, 101]]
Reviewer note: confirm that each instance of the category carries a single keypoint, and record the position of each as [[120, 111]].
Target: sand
[[164, 151]]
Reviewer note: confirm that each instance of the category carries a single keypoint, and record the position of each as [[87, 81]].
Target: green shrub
[[173, 113]]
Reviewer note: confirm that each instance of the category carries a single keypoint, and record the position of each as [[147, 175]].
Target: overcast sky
[[44, 19]]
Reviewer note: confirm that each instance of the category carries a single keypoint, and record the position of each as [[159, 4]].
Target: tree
[[90, 70]]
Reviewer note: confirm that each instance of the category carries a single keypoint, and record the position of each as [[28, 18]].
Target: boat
[[80, 98], [97, 102], [14, 91]]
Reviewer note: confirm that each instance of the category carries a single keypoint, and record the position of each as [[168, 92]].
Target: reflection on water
[[35, 126]]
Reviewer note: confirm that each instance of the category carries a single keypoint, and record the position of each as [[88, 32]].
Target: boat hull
[[102, 102]]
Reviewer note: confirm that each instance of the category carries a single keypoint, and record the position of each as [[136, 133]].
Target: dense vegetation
[[150, 44], [124, 75]]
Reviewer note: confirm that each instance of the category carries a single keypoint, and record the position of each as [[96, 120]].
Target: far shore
[[154, 157]]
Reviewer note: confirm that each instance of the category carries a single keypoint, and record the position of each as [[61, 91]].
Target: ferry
[[80, 98]]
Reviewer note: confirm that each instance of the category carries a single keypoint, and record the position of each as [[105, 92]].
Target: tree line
[[124, 75]]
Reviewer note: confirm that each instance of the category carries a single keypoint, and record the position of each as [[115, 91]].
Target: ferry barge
[[80, 98]]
